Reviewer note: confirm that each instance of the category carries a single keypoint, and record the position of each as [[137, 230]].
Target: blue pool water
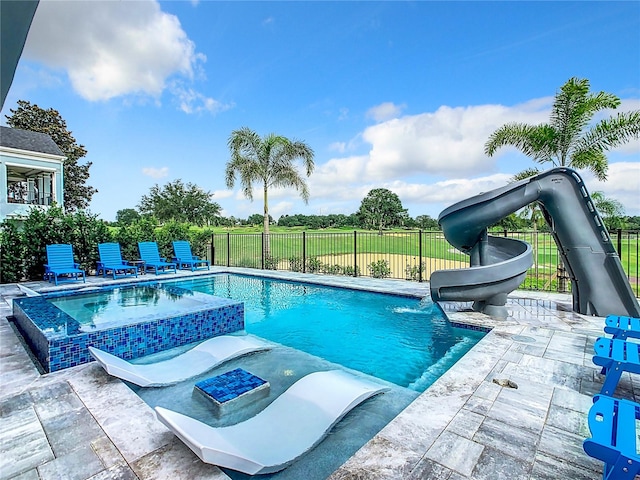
[[133, 303], [399, 339]]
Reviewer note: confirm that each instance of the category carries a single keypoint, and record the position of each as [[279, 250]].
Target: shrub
[[11, 253], [296, 264], [42, 228], [379, 269], [271, 262], [88, 231], [246, 263], [351, 271], [200, 240], [332, 269], [413, 272], [128, 237], [169, 232], [314, 265], [46, 227]]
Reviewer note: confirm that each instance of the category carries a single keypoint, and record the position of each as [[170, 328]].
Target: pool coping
[[418, 442]]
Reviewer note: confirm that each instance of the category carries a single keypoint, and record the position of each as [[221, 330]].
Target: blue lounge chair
[[612, 423], [622, 327], [184, 257], [615, 356], [151, 256], [60, 262], [111, 259]]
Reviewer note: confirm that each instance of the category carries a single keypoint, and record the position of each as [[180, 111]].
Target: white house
[[31, 173]]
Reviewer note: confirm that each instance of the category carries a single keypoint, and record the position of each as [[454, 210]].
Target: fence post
[[213, 249], [304, 252], [420, 255], [619, 242], [228, 249], [262, 251], [355, 253]]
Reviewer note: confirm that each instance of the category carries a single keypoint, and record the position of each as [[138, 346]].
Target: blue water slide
[[499, 265]]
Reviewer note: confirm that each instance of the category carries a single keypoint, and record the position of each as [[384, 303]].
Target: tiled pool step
[[232, 390]]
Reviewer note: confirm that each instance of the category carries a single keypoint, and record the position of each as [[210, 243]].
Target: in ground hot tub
[[128, 321]]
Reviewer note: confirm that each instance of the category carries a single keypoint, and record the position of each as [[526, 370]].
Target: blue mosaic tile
[[230, 385], [466, 326]]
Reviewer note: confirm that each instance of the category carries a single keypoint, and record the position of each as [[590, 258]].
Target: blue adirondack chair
[[60, 262], [184, 258], [111, 259], [151, 256], [612, 423], [615, 356], [622, 327]]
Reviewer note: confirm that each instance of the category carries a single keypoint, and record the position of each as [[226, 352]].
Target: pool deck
[[80, 423]]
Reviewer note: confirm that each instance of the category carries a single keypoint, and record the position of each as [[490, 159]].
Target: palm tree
[[269, 161], [569, 139], [610, 209]]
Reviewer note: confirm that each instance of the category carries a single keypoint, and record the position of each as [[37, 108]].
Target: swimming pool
[[399, 339]]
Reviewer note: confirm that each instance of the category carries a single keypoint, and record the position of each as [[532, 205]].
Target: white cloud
[[191, 101], [622, 184], [332, 175], [280, 208], [222, 194], [347, 187], [448, 142], [385, 111], [448, 191], [339, 147], [110, 49], [156, 172]]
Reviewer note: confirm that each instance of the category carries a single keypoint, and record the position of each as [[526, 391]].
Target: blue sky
[[397, 95]]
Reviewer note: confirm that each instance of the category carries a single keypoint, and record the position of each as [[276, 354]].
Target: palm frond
[[612, 132], [591, 159], [524, 174], [535, 141]]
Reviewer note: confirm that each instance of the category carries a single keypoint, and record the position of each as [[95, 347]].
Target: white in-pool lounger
[[199, 359], [27, 291], [294, 423]]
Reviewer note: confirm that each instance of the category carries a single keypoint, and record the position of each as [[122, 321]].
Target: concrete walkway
[[81, 423]]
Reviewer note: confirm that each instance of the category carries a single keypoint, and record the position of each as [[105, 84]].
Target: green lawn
[[287, 243]]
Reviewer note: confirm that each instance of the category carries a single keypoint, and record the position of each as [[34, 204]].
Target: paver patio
[[80, 423]]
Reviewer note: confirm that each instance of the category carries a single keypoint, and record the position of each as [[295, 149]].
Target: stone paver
[[83, 424]]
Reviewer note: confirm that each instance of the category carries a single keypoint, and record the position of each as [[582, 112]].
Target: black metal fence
[[410, 255]]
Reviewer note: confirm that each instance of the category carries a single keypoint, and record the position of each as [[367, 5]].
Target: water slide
[[499, 265]]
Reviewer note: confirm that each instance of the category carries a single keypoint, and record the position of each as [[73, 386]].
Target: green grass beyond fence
[[409, 255]]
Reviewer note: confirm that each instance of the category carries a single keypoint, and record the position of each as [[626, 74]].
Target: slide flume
[[498, 265]]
